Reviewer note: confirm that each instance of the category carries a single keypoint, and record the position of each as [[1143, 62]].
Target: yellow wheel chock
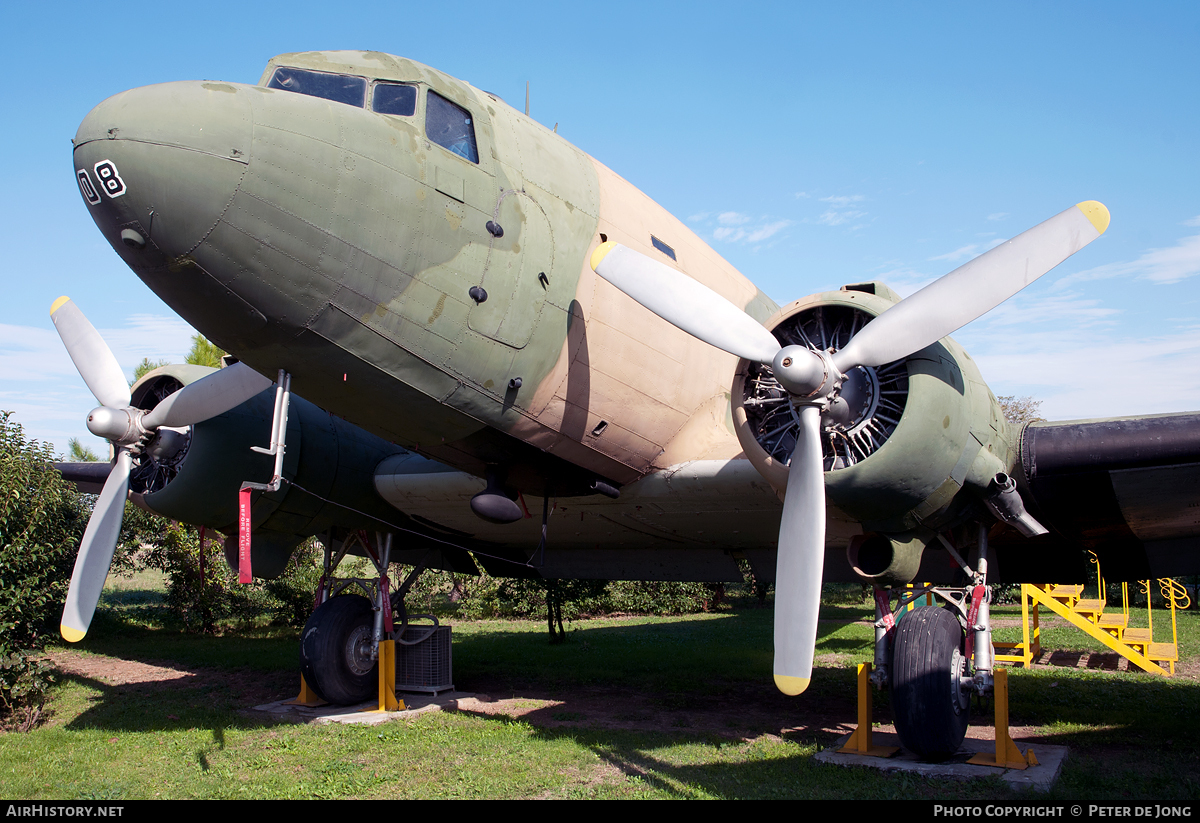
[[307, 696]]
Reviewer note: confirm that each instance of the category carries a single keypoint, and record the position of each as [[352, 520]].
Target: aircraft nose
[[158, 165]]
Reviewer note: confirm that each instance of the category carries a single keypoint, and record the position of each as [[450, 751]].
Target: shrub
[[41, 523]]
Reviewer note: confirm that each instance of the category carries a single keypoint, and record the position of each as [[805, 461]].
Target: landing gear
[[931, 688], [933, 658], [347, 634], [338, 650]]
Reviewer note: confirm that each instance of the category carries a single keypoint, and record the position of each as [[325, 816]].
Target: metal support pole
[[883, 624], [983, 622]]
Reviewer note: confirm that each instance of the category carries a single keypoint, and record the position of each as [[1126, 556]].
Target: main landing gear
[[932, 658], [341, 644]]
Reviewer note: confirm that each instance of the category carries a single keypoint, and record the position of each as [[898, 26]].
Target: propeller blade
[[973, 289], [801, 559], [96, 551], [213, 395], [93, 359], [684, 302]]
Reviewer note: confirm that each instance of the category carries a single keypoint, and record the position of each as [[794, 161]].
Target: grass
[[1131, 736]]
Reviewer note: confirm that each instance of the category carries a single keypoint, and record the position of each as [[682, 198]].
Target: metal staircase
[[1093, 616]]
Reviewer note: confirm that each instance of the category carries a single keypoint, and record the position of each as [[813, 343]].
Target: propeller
[[814, 379], [130, 430]]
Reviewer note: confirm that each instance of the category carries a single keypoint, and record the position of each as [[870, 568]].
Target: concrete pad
[[1038, 778], [364, 713]]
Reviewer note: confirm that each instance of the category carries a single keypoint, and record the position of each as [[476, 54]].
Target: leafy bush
[[41, 523], [201, 602]]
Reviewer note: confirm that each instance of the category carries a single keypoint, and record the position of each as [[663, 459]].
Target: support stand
[[1007, 755], [388, 702], [860, 741]]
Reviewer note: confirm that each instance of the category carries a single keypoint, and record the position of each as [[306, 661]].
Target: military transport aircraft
[[510, 356]]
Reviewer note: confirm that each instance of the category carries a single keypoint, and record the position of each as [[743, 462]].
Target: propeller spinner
[[130, 430], [814, 379]]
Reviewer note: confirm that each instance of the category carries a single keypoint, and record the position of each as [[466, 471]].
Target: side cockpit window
[[450, 126], [339, 88], [394, 98]]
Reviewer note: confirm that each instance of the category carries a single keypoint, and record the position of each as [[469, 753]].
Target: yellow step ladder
[[1136, 644]]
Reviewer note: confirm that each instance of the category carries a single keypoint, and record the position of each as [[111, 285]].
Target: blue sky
[[811, 144]]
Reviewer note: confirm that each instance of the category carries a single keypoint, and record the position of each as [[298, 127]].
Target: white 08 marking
[[85, 185], [110, 180]]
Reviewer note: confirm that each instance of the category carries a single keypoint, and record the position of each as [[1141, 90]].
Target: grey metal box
[[426, 666]]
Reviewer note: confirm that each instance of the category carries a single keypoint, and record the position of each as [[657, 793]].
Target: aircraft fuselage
[[342, 244]]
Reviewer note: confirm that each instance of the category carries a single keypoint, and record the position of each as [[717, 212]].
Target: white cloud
[[969, 251], [1195, 221], [961, 253], [841, 201], [736, 227], [732, 218], [1169, 265], [1000, 215], [696, 218], [837, 218], [763, 232], [905, 281], [1061, 309], [1084, 374], [839, 213]]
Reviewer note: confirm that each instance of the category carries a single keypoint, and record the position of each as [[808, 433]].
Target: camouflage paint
[[320, 238]]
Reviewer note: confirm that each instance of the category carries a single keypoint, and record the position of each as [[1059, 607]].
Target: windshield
[[450, 126], [394, 98], [339, 88]]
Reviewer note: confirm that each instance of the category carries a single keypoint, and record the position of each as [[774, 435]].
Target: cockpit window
[[339, 88], [450, 126], [394, 98]]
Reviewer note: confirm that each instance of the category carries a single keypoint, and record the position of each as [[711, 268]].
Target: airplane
[[504, 354]]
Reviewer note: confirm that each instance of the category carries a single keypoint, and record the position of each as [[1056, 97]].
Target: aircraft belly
[[690, 522]]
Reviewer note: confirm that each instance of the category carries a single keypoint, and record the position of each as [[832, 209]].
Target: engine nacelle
[[904, 439], [193, 474]]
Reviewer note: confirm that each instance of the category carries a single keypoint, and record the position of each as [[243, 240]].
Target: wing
[[1127, 489]]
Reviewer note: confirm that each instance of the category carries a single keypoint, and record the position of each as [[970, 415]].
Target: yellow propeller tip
[[70, 634], [1096, 212], [601, 252], [58, 304], [791, 685]]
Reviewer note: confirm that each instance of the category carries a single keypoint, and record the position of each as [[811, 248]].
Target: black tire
[[335, 651], [931, 711]]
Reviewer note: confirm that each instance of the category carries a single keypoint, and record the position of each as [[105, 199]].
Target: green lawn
[[1132, 735]]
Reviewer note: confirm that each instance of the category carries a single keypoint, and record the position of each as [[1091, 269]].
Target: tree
[[146, 366], [1021, 410], [204, 353], [80, 453]]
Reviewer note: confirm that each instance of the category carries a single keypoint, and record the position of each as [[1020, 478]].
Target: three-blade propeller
[[129, 429], [814, 379]]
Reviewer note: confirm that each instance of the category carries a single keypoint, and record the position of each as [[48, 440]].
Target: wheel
[[928, 667], [335, 650]]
